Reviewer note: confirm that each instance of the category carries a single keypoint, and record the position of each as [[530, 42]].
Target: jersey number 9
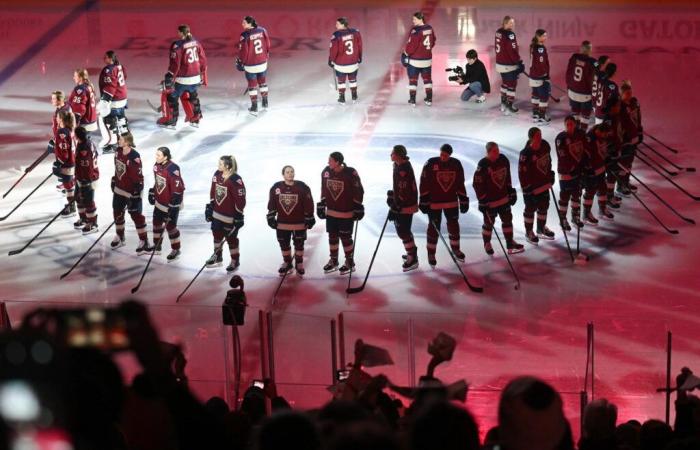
[[578, 73]]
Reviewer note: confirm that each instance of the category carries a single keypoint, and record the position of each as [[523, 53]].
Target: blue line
[[44, 40]]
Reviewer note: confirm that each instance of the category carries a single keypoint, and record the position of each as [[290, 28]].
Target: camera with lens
[[458, 74]]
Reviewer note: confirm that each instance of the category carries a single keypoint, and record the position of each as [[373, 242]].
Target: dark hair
[[166, 152], [285, 168], [400, 151], [610, 69], [67, 118], [111, 54], [604, 127], [586, 46], [185, 29], [338, 157], [570, 117], [447, 148], [81, 133], [343, 21], [532, 132], [490, 145], [471, 54], [535, 39], [602, 59], [419, 15], [236, 282], [250, 21]]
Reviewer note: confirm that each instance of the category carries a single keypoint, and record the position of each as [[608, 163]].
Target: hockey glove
[[513, 196], [463, 204], [103, 108], [173, 212], [272, 219], [359, 212], [205, 78], [330, 64], [640, 136], [390, 199], [392, 215], [238, 220], [321, 210], [239, 65], [521, 67], [551, 176], [528, 198], [56, 169], [50, 147], [137, 190], [309, 222], [404, 59], [113, 183], [151, 196], [168, 80], [483, 207], [209, 212], [424, 207]]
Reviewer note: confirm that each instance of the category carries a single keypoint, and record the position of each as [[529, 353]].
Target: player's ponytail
[[343, 21], [338, 157], [85, 77], [185, 30], [68, 119], [250, 21], [229, 163], [111, 54], [536, 38]]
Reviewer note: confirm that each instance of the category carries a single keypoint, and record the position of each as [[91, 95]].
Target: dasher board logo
[[119, 168], [498, 176], [160, 184], [336, 187], [543, 164], [446, 179], [288, 202], [220, 194]]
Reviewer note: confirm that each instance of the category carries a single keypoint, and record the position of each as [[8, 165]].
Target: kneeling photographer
[[474, 76]]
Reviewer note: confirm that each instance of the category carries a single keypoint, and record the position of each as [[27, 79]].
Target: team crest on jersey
[[288, 202], [220, 194], [446, 179], [541, 49], [336, 187], [160, 184], [498, 176], [576, 150], [602, 147], [119, 169], [543, 164]]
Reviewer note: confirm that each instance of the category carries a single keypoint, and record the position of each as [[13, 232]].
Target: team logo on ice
[[119, 169], [498, 177], [160, 184], [220, 194], [543, 164], [336, 187], [445, 179], [288, 202]]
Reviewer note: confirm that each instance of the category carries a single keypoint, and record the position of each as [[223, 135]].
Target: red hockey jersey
[[65, 150], [442, 183], [596, 153], [168, 186], [187, 61], [228, 196], [571, 153], [539, 63], [86, 169], [534, 167], [293, 204], [405, 189], [341, 191], [128, 175], [82, 103], [631, 121], [507, 52], [254, 49], [346, 50], [492, 182], [113, 85], [419, 48], [580, 73], [605, 95]]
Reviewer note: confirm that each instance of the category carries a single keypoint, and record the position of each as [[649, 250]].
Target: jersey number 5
[[426, 42], [257, 46], [192, 55], [349, 49]]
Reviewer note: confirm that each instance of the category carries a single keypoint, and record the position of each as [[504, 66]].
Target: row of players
[[588, 164]]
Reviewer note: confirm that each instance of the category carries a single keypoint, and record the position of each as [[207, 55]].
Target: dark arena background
[[614, 317]]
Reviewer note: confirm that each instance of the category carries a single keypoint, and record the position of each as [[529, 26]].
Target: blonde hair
[[506, 19], [59, 95], [129, 138], [85, 76]]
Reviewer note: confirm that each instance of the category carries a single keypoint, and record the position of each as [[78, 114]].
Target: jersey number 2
[[192, 55], [257, 46]]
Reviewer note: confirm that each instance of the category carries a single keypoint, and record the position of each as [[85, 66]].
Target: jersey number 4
[[426, 42], [192, 55]]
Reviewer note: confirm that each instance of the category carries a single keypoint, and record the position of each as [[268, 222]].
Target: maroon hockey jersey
[[113, 85], [228, 196], [419, 48], [293, 204], [128, 175], [341, 191], [596, 153], [571, 153], [539, 62], [534, 167], [65, 150], [442, 183], [631, 121], [254, 49], [580, 73], [507, 52], [169, 187], [86, 169], [346, 50], [82, 103], [492, 182], [405, 189], [187, 61], [605, 95], [54, 119]]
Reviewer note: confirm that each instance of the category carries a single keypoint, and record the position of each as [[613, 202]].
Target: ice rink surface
[[640, 282]]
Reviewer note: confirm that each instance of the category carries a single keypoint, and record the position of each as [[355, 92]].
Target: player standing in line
[[539, 77], [186, 71], [571, 151], [442, 191], [82, 101], [417, 57], [341, 206], [632, 135], [290, 211], [113, 101], [496, 195], [508, 64], [598, 140], [345, 57], [580, 73], [58, 101], [127, 185], [227, 199], [253, 54], [606, 93], [536, 179], [166, 195], [403, 204], [86, 174], [64, 165]]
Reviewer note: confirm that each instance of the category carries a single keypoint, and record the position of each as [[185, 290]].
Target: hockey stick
[[279, 286], [687, 169], [686, 219], [27, 170], [555, 99], [335, 80], [561, 223], [512, 269], [203, 267], [669, 230], [669, 148], [153, 252], [18, 251], [355, 290], [86, 253], [657, 164], [25, 198], [157, 109], [680, 188], [454, 259], [354, 245]]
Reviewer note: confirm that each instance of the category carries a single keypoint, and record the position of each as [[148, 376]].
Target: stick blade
[[354, 290], [15, 252], [477, 289], [673, 231], [63, 276], [135, 289]]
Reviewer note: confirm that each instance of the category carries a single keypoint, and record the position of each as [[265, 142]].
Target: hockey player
[[417, 57], [340, 205], [403, 204], [571, 152], [64, 165], [345, 57], [442, 191], [598, 139], [227, 199], [536, 179], [166, 195], [112, 104], [58, 101], [508, 64], [253, 54], [632, 135], [580, 73], [186, 71], [496, 195], [290, 211], [127, 185], [82, 101], [86, 174], [539, 77], [606, 93]]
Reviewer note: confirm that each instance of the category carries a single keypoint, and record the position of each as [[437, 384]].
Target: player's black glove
[[136, 192], [404, 59], [521, 67], [463, 204], [392, 215], [309, 221], [151, 196], [551, 176], [56, 169], [173, 212], [359, 212], [390, 198], [424, 207], [640, 136], [52, 144], [321, 210], [168, 80], [238, 221], [359, 60], [209, 212], [330, 64], [272, 219], [239, 65], [113, 183], [483, 207], [512, 196]]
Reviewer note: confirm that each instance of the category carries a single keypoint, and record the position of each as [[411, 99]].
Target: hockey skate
[[167, 123], [565, 224], [174, 254], [143, 247], [194, 121], [341, 98], [411, 263], [233, 266], [354, 97], [299, 267], [117, 242], [285, 268], [545, 233], [109, 149], [480, 99], [331, 266], [488, 248], [253, 110], [459, 254], [428, 100], [531, 237], [79, 224], [412, 99], [624, 190], [576, 220], [544, 119], [432, 262], [513, 247], [607, 215], [90, 228], [68, 210], [511, 108], [347, 267], [590, 218], [215, 260], [156, 249], [264, 102]]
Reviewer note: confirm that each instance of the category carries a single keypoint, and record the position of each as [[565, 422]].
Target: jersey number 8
[[349, 49], [192, 55], [257, 46]]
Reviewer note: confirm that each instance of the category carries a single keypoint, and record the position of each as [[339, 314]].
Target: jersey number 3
[[192, 55], [349, 49]]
